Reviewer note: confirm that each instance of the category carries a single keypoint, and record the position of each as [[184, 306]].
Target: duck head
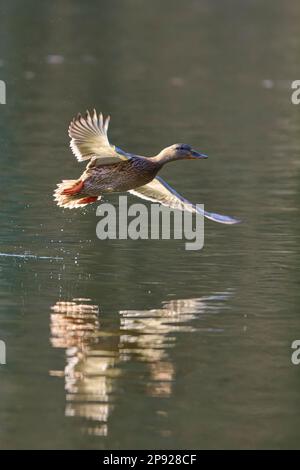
[[179, 152]]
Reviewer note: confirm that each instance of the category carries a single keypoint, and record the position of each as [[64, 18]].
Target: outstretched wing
[[159, 191], [89, 139]]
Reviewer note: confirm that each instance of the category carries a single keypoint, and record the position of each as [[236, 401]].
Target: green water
[[142, 344]]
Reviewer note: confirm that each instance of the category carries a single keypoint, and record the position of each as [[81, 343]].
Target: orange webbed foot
[[75, 189], [87, 200]]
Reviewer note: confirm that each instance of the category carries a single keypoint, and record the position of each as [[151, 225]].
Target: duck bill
[[195, 154]]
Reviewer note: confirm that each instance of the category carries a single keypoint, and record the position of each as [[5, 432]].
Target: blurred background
[[141, 344]]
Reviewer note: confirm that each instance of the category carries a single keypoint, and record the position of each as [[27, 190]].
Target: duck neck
[[162, 158]]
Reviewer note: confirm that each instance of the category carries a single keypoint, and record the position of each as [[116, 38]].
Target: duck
[[112, 170]]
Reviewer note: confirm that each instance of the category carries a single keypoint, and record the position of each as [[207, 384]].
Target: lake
[[123, 344]]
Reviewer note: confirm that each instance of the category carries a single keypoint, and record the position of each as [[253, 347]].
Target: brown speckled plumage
[[118, 177], [111, 170]]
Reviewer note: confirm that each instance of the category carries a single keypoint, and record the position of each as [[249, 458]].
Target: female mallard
[[112, 170]]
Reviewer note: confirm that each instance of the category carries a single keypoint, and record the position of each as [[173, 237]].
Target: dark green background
[[188, 349]]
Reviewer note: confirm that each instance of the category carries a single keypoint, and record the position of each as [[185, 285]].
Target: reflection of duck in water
[[95, 356], [111, 170], [88, 385]]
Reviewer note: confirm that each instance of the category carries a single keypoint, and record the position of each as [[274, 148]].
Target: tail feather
[[63, 197]]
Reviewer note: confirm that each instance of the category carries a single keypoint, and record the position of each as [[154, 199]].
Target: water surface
[[142, 344]]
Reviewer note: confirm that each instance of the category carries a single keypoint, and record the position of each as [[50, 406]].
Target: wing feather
[[160, 191], [89, 139]]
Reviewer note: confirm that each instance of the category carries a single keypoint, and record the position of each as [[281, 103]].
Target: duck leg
[[69, 194], [87, 200], [74, 189]]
